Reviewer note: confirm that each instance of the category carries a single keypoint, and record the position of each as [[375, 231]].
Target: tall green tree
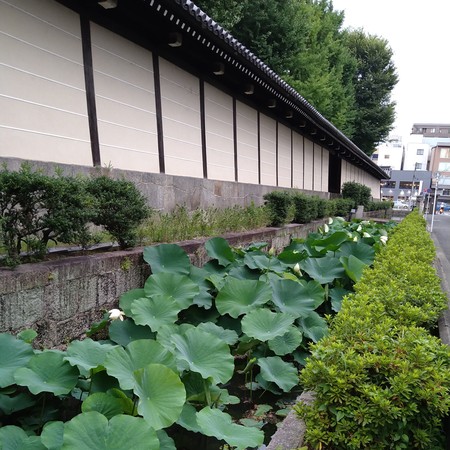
[[374, 80]]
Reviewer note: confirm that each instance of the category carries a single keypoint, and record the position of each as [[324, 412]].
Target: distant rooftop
[[432, 129]]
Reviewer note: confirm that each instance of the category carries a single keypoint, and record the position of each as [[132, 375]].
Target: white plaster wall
[[43, 114], [180, 98], [219, 134], [284, 156], [309, 160], [247, 143], [317, 167], [125, 100], [268, 150], [325, 164], [298, 174]]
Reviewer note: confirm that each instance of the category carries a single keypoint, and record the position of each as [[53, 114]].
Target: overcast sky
[[419, 35]]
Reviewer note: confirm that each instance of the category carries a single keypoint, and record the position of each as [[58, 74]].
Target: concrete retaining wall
[[165, 192], [61, 298]]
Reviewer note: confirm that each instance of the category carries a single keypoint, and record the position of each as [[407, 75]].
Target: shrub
[[36, 208], [378, 206], [340, 207], [305, 208], [322, 208], [120, 208], [359, 193], [381, 380], [280, 207]]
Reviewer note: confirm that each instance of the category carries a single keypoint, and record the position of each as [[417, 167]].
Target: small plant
[[119, 208], [280, 208], [359, 193]]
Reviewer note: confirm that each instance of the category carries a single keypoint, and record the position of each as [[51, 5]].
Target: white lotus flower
[[115, 314], [330, 220], [383, 239], [359, 228], [272, 251], [355, 239], [326, 228], [297, 269], [366, 234]]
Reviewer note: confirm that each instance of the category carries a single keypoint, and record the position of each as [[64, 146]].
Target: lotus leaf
[[313, 326], [161, 395], [239, 297], [165, 441], [14, 438], [260, 260], [87, 354], [265, 325], [353, 266], [324, 270], [218, 424], [127, 331], [103, 403], [228, 336], [364, 252], [15, 353], [218, 248], [165, 258], [180, 287], [297, 298], [52, 435], [47, 372], [122, 362], [127, 299], [287, 343], [21, 401], [204, 353], [282, 373], [155, 312], [93, 431]]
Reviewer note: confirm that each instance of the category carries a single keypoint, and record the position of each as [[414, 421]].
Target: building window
[[445, 152], [386, 156], [444, 167], [443, 130], [418, 166], [387, 184], [419, 151], [405, 184]]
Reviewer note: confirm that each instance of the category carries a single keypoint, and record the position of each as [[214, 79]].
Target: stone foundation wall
[[61, 298]]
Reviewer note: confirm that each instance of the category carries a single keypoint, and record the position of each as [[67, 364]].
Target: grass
[[181, 225]]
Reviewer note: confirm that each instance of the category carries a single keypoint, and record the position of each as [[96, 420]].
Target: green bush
[[359, 193], [340, 207], [36, 208], [305, 208], [381, 380], [120, 208], [322, 208], [280, 208], [378, 206]]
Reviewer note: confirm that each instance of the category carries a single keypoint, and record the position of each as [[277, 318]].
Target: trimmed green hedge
[[381, 380]]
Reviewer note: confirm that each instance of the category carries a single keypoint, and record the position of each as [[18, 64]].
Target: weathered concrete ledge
[[61, 298]]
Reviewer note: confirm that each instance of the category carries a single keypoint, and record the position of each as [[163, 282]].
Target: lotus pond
[[200, 357]]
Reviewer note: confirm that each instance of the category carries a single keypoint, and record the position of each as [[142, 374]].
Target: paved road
[[441, 238]]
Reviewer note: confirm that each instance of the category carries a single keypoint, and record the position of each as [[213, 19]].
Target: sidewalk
[[440, 236]]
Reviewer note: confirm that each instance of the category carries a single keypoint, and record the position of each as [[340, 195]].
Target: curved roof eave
[[217, 32]]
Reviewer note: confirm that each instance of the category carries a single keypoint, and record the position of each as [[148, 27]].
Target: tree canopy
[[347, 75]]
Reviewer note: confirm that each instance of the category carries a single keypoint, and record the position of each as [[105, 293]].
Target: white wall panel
[[125, 100], [180, 97], [284, 156], [247, 143], [325, 164], [298, 161], [219, 134], [309, 161], [317, 167], [43, 114], [268, 150]]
